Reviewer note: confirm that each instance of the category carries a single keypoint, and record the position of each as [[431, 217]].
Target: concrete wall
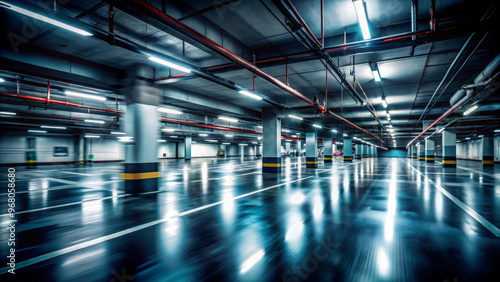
[[473, 149], [392, 153], [13, 149]]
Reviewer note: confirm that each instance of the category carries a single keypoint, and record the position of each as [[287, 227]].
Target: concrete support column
[[242, 151], [141, 164], [328, 150], [187, 147], [311, 150], [413, 151], [79, 139], [429, 151], [488, 160], [299, 148], [449, 147], [287, 148], [347, 149], [421, 152], [365, 151], [359, 153], [271, 140], [375, 151], [409, 152]]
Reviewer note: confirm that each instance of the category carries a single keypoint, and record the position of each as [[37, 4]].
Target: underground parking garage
[[273, 140]]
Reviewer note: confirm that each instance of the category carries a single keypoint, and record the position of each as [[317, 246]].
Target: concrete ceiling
[[410, 71]]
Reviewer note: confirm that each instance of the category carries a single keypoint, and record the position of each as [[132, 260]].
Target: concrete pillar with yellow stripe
[[312, 149], [429, 151], [328, 143], [449, 146], [413, 151], [421, 152], [141, 123], [365, 151], [347, 149], [409, 152], [359, 151], [271, 140], [488, 160]]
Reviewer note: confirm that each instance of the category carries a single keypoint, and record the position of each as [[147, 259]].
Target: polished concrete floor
[[223, 220]]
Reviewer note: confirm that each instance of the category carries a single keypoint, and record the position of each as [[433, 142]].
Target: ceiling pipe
[[298, 23], [178, 26], [469, 94], [57, 102]]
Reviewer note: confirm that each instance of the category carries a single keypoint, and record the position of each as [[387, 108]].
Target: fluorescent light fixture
[[169, 111], [481, 136], [376, 75], [359, 6], [92, 136], [344, 134], [83, 95], [211, 140], [228, 119], [390, 126], [173, 136], [125, 138], [169, 64], [229, 135], [168, 129], [285, 130], [203, 134], [317, 126], [243, 144], [251, 95], [37, 131], [226, 143], [161, 141], [255, 142], [94, 121], [295, 117], [8, 113], [53, 127], [260, 137], [467, 138], [118, 133], [470, 110], [384, 103], [259, 126], [44, 18], [333, 130], [294, 136], [2, 80], [441, 130]]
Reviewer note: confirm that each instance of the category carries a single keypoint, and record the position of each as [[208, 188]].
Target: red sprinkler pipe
[[58, 102], [188, 31], [304, 25]]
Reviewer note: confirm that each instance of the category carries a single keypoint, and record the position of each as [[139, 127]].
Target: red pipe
[[322, 24], [186, 30], [172, 76], [59, 102], [443, 116], [48, 91], [292, 138], [304, 25]]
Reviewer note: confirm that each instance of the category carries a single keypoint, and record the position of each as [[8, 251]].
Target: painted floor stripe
[[99, 240], [479, 218]]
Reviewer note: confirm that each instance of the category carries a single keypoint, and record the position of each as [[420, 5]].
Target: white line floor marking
[[480, 172], [77, 173], [96, 241], [479, 218]]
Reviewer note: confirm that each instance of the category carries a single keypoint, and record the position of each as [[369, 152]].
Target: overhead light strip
[[44, 18]]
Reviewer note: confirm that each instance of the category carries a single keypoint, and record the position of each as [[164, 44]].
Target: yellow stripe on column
[[449, 162], [488, 162], [31, 161], [311, 162], [140, 175], [328, 159], [271, 165]]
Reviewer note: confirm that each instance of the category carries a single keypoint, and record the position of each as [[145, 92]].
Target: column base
[[141, 177], [449, 162], [421, 159], [358, 157], [328, 159], [347, 159], [311, 162], [271, 164], [488, 161], [429, 159]]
